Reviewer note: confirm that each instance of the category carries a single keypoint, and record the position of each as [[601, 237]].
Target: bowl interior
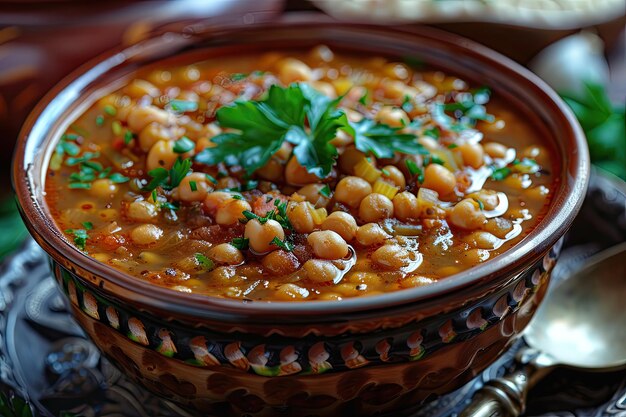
[[450, 53]]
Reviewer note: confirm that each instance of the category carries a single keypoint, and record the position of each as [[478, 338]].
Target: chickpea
[[198, 193], [312, 194], [261, 235], [467, 215], [142, 211], [392, 256], [416, 281], [291, 70], [375, 207], [141, 116], [227, 182], [475, 256], [318, 270], [495, 150], [371, 234], [482, 240], [225, 254], [272, 171], [231, 212], [439, 179], [296, 174], [327, 244], [146, 234], [398, 90], [153, 133], [213, 201], [140, 88], [349, 158], [392, 116], [330, 296], [472, 154], [394, 176], [405, 206], [341, 139], [300, 217], [352, 190], [325, 88], [341, 223], [360, 277], [103, 188], [489, 198], [499, 226], [280, 262], [429, 143], [291, 292], [161, 155]]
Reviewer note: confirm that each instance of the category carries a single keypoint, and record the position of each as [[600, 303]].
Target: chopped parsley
[[325, 191], [211, 178], [169, 179], [193, 186], [279, 214], [89, 170], [128, 137], [80, 237], [183, 106], [283, 244], [499, 174], [184, 145], [238, 76], [433, 132], [88, 225], [169, 206], [99, 120], [381, 140], [240, 243], [415, 170], [205, 263], [526, 166], [110, 110], [481, 205]]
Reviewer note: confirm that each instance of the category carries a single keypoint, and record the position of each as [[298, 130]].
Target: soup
[[297, 176]]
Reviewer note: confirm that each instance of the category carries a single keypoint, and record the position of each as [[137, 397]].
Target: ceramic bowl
[[382, 354]]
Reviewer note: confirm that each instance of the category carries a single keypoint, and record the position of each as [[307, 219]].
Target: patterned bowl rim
[[468, 58]]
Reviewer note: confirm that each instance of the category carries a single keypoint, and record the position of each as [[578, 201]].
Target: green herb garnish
[[193, 186], [499, 174], [381, 140], [415, 170], [118, 178], [168, 180], [204, 262], [110, 110], [238, 76], [604, 125], [99, 120], [128, 137], [325, 191], [168, 205], [433, 132], [283, 244], [183, 106], [298, 114], [88, 225], [80, 237], [184, 145], [240, 243]]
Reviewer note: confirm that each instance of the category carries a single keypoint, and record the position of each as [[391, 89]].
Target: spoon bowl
[[580, 325]]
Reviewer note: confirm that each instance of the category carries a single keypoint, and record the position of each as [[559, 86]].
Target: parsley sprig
[[168, 179], [279, 214], [381, 140], [297, 114], [604, 125]]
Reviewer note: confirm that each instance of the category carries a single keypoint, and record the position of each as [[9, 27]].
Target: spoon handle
[[501, 397]]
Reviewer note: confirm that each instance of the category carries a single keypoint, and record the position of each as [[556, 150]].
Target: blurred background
[[577, 46]]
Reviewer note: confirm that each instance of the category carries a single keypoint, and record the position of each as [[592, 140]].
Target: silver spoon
[[580, 325]]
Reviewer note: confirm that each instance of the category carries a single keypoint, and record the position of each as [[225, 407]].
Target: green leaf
[[325, 191], [168, 180], [13, 230], [383, 141]]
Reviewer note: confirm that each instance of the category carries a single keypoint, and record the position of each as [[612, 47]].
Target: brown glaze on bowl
[[358, 356]]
